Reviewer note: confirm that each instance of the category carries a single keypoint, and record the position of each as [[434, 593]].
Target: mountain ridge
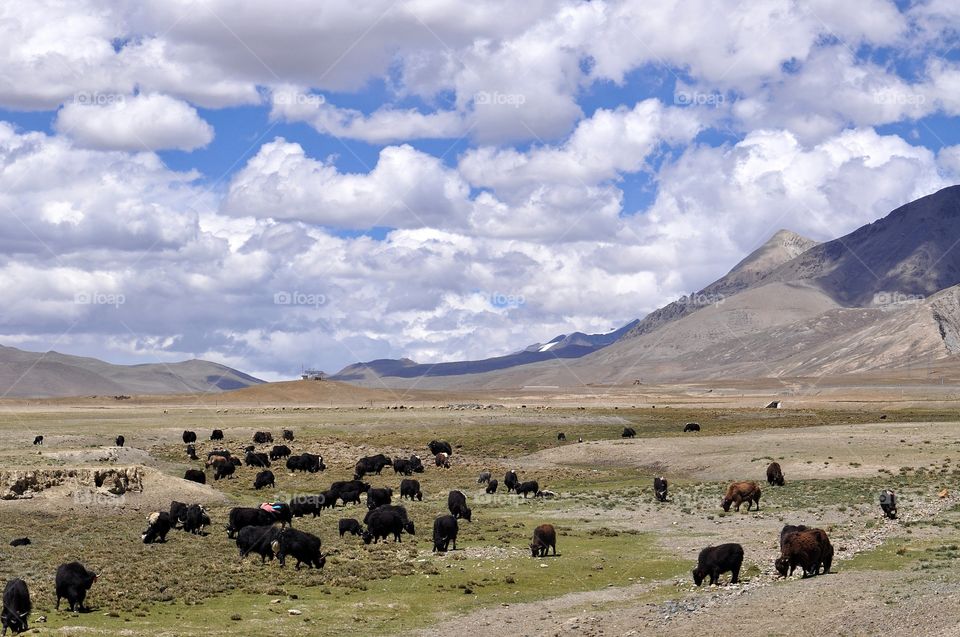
[[26, 374]]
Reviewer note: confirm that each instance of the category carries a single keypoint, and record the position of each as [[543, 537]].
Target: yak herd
[[267, 530], [806, 547]]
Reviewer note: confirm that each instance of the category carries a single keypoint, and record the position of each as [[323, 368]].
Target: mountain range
[[35, 374], [883, 297]]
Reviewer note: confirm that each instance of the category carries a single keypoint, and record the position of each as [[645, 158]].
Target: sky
[[309, 184]]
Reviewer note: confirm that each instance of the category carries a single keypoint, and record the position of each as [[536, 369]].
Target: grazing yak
[[740, 492], [120, 440], [484, 477], [189, 436], [264, 479], [256, 460], [492, 486], [308, 462], [72, 583], [223, 470], [401, 465], [21, 541], [352, 485], [279, 451], [716, 560], [417, 463], [302, 546], [257, 539], [193, 519], [691, 426], [457, 505], [408, 467], [38, 440], [262, 437], [775, 474], [158, 525], [628, 432], [349, 525], [384, 521], [16, 606], [888, 503], [195, 475], [288, 435], [216, 434], [264, 515], [214, 459], [561, 437], [511, 481], [530, 486], [440, 446], [302, 505], [328, 500], [660, 488], [445, 530], [371, 464], [544, 537], [378, 497], [192, 452], [410, 489], [442, 459], [807, 548]]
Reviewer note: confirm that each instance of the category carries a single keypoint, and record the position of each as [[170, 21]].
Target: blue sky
[[394, 170]]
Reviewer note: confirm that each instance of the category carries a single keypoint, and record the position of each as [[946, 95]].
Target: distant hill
[[33, 374], [572, 345]]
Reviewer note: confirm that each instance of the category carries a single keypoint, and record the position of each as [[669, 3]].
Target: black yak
[[445, 530], [72, 583], [716, 560], [16, 606]]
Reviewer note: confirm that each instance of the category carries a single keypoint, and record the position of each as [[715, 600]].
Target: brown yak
[[809, 549], [740, 492]]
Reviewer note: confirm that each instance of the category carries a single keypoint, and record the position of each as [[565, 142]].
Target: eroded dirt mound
[[18, 483], [79, 488]]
